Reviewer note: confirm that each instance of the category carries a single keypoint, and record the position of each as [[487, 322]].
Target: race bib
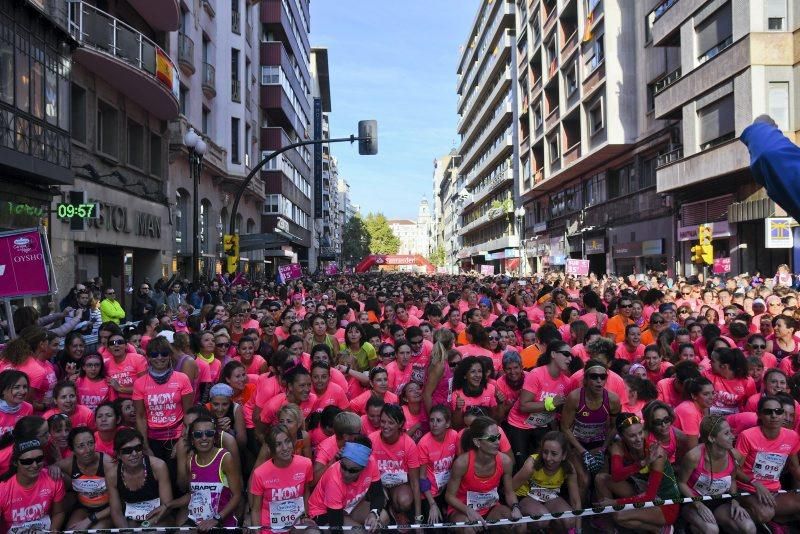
[[769, 465], [354, 502], [138, 511], [541, 494], [200, 505], [723, 410], [482, 501], [283, 514], [539, 419], [37, 525], [90, 487], [393, 478], [442, 478], [706, 485]]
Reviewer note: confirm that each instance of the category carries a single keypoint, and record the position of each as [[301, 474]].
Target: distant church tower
[[423, 228]]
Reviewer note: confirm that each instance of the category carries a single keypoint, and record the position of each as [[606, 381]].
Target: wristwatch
[[217, 518], [376, 512]]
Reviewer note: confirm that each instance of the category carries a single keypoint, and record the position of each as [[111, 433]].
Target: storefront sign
[[779, 232], [540, 228], [653, 247], [628, 250], [718, 229], [722, 265], [119, 219], [292, 271], [577, 267], [487, 270], [595, 245], [23, 265]]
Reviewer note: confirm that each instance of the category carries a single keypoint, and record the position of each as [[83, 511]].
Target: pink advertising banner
[[722, 265], [577, 267], [487, 270], [292, 271], [332, 270], [23, 265]]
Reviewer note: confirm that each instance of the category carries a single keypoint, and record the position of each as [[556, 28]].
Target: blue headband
[[221, 390], [356, 453]]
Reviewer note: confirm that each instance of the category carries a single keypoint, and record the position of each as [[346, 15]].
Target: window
[[552, 147], [247, 145], [776, 14], [181, 221], [135, 144], [205, 227], [206, 124], [595, 190], [591, 5], [715, 34], [78, 114], [270, 74], [571, 79], [716, 122], [236, 156], [155, 155], [107, 124], [23, 77], [651, 96], [537, 116], [622, 181], [272, 204], [648, 177], [779, 104], [596, 116], [6, 68], [184, 99], [235, 63]]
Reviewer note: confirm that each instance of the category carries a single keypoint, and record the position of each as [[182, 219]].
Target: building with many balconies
[[734, 60], [124, 92], [590, 142], [216, 51], [488, 130]]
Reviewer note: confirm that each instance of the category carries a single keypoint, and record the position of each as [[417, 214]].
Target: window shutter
[[715, 29], [716, 119], [776, 9]]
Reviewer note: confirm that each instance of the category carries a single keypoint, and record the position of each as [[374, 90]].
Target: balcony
[[594, 79], [493, 125], [569, 47], [727, 158], [236, 90], [505, 15], [208, 5], [669, 158], [501, 84], [550, 21], [572, 154], [666, 81], [668, 17], [502, 175], [490, 159], [552, 119], [236, 23], [163, 15], [186, 54], [247, 97], [492, 67], [209, 80], [124, 58]]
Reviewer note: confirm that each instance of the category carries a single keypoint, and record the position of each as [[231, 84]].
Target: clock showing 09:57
[[65, 210]]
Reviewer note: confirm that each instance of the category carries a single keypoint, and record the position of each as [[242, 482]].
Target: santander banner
[[23, 266]]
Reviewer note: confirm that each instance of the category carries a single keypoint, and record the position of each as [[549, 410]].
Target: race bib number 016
[[283, 514]]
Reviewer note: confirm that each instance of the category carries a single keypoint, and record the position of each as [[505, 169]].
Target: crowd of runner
[[379, 399]]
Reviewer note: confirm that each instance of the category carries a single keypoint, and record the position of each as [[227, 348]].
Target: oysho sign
[[23, 266]]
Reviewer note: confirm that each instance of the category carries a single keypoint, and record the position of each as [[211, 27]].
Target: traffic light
[[368, 129], [703, 251], [231, 245]]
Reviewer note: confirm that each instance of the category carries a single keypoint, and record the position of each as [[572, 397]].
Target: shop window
[[135, 144], [107, 129], [206, 124], [78, 113], [156, 165], [205, 218], [37, 83]]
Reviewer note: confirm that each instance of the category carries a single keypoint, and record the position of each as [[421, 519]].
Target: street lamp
[[197, 149], [520, 213]]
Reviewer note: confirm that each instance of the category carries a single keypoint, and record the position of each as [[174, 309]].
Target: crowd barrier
[[598, 510]]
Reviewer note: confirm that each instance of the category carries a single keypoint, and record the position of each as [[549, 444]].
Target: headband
[[595, 367], [356, 453], [221, 390]]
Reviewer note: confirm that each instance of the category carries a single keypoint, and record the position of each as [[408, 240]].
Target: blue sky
[[393, 61]]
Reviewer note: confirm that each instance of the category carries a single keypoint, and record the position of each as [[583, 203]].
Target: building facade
[[122, 98], [285, 103], [414, 236], [488, 127], [445, 215], [216, 51]]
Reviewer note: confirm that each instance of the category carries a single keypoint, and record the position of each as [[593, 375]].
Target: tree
[[382, 238], [437, 257], [356, 240]]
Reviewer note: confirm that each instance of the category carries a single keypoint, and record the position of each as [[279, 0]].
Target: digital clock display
[[76, 211]]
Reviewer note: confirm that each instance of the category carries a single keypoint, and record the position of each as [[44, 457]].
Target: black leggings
[[524, 442]]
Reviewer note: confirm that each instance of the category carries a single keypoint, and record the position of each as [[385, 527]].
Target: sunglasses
[[626, 306], [772, 411], [664, 421], [415, 342], [491, 438], [30, 461], [597, 376], [494, 338], [351, 470], [162, 354], [220, 345], [117, 342], [197, 434], [131, 450], [388, 354], [657, 322], [758, 346], [684, 312]]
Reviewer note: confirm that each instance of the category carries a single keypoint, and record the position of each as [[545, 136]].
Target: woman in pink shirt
[[471, 388], [379, 388], [413, 410], [658, 422], [32, 500], [20, 354], [731, 381], [66, 399], [122, 366], [654, 364], [107, 421], [91, 386], [400, 369], [437, 451], [699, 393], [13, 391]]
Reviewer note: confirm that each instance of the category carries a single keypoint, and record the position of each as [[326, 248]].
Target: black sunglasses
[[162, 354], [131, 450], [30, 461], [197, 434], [117, 342], [223, 345], [771, 411], [663, 421], [759, 346]]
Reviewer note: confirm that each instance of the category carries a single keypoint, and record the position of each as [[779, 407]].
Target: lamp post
[[520, 213], [197, 149]]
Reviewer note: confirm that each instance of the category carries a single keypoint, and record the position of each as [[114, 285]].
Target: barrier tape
[[581, 513]]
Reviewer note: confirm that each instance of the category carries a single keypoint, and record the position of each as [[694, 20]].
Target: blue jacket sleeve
[[775, 164]]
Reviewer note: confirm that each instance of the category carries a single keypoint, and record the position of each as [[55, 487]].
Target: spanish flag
[[587, 32], [164, 68]]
